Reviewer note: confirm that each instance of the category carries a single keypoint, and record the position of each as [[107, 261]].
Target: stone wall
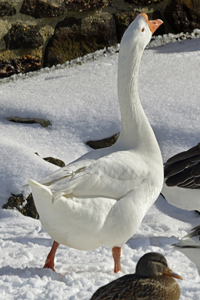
[[40, 33]]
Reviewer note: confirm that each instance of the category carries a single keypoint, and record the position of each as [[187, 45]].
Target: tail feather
[[39, 190]]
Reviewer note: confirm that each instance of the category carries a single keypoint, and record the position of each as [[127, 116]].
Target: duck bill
[[172, 274]]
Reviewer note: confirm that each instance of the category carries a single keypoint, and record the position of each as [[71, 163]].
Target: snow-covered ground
[[81, 103]]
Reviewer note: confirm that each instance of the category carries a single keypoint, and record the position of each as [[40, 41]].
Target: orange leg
[[50, 258], [116, 252]]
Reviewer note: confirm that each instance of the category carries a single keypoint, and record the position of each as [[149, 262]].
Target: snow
[[81, 103]]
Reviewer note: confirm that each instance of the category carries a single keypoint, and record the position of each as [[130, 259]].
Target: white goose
[[101, 198], [190, 246], [182, 179]]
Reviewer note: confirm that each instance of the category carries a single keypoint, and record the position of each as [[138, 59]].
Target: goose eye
[[143, 29]]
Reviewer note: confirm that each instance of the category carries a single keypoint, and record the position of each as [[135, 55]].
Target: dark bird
[[151, 281], [182, 179]]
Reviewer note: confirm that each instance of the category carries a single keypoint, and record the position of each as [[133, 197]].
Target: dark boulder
[[77, 37], [84, 5], [25, 206], [183, 15], [20, 36], [40, 9], [23, 64], [42, 122], [144, 2], [107, 142], [7, 9]]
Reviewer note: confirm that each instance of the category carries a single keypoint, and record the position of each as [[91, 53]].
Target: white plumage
[[101, 198]]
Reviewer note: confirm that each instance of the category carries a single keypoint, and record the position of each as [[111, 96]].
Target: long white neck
[[136, 131]]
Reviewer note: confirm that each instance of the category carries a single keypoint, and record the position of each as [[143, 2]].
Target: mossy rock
[[7, 9], [41, 9], [183, 15], [86, 5], [75, 38], [25, 206], [20, 36], [104, 142], [22, 65], [42, 122], [55, 161], [144, 2]]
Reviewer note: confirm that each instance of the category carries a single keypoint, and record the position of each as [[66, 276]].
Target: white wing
[[110, 176]]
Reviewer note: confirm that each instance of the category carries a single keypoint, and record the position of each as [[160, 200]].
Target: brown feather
[[132, 287], [144, 284]]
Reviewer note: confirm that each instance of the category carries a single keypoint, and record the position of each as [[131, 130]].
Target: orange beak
[[154, 24], [172, 274]]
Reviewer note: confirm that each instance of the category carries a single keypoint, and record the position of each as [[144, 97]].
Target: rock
[[22, 65], [77, 37], [52, 160], [42, 122], [104, 142], [7, 9], [20, 36], [40, 9], [144, 2], [83, 5], [55, 161], [25, 206], [183, 15]]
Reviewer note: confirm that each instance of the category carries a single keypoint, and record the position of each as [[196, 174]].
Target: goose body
[[153, 280], [189, 245], [182, 179], [101, 198]]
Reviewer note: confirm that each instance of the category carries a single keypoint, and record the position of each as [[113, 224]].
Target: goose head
[[154, 264], [139, 33], [189, 245]]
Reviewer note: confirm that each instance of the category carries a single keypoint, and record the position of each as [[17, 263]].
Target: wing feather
[[109, 176], [183, 169]]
